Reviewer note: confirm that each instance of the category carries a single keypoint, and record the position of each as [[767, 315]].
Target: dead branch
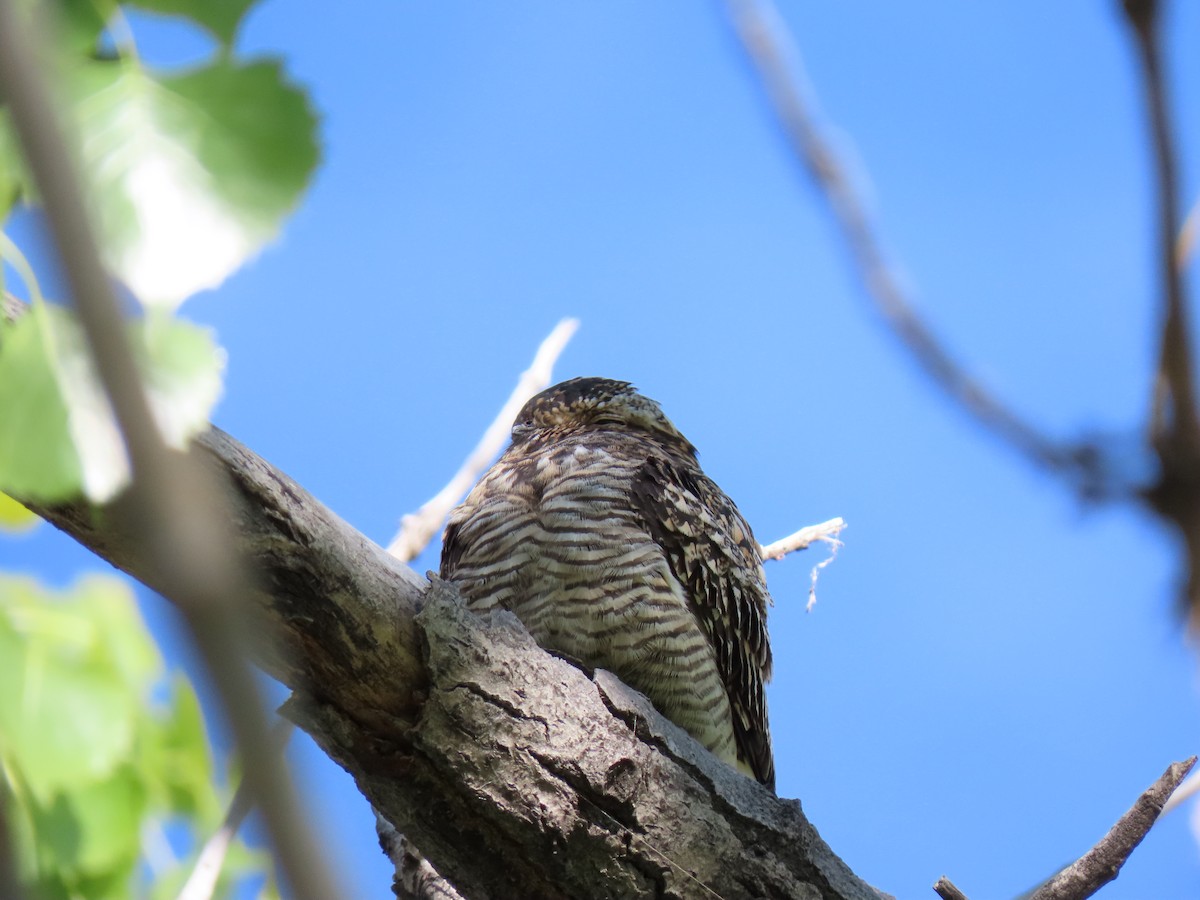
[[945, 889], [801, 540], [1101, 864], [417, 528]]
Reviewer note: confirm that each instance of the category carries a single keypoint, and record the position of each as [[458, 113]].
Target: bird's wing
[[712, 552]]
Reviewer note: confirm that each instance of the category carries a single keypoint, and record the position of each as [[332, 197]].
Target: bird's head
[[595, 404]]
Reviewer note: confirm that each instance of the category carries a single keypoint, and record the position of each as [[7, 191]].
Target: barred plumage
[[599, 530]]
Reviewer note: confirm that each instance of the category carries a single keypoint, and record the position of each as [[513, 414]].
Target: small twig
[[171, 505], [417, 528], [202, 883], [1101, 864], [774, 55], [802, 539], [945, 889]]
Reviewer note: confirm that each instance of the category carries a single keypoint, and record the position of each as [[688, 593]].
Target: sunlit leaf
[[37, 455], [193, 173], [57, 432], [64, 712], [221, 17], [95, 828]]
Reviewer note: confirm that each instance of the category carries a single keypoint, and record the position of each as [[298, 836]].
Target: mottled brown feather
[[599, 529]]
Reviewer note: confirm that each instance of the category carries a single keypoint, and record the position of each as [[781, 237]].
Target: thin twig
[[417, 528], [1101, 864], [802, 539], [171, 504], [202, 882], [774, 55], [945, 889]]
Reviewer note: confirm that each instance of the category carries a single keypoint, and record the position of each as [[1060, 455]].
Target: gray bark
[[517, 773]]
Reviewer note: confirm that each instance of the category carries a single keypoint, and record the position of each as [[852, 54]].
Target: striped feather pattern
[[599, 530]]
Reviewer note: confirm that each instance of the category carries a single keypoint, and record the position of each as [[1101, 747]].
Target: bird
[[598, 529]]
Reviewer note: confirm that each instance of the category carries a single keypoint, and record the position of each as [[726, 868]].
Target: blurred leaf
[[78, 670], [178, 752], [83, 21], [221, 17], [95, 829], [182, 365], [37, 456], [14, 517], [15, 183], [193, 173], [60, 691], [57, 432]]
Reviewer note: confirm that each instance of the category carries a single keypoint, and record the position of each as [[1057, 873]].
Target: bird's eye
[[522, 427]]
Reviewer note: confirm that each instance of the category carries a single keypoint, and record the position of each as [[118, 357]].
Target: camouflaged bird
[[598, 529]]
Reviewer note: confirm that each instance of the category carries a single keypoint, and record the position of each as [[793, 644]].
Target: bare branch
[[774, 55], [802, 539], [170, 506], [417, 528], [1101, 864], [945, 889]]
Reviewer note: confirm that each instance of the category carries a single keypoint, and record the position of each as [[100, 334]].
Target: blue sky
[[993, 670]]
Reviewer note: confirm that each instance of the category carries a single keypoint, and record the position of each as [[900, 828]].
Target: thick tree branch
[[516, 773]]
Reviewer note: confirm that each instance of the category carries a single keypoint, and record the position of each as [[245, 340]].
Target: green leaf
[[191, 174], [176, 751], [182, 365], [82, 22], [221, 17], [15, 183], [66, 707], [14, 517], [57, 432], [95, 829], [37, 456]]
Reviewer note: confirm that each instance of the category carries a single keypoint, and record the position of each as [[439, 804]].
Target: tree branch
[[1101, 864], [514, 772]]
